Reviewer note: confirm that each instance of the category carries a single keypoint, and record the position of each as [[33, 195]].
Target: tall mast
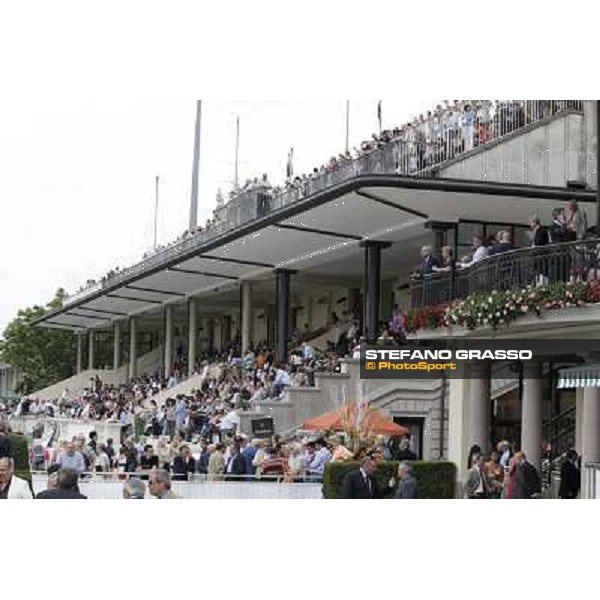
[[195, 168]]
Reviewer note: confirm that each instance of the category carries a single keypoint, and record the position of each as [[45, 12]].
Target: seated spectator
[[448, 261], [503, 243], [428, 261], [479, 252]]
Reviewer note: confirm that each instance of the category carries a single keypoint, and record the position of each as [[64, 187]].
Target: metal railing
[[517, 269], [416, 149]]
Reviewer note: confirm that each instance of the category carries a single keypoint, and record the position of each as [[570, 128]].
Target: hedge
[[435, 480], [20, 453]]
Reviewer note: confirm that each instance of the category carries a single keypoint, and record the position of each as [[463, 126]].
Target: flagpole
[[237, 152], [156, 212], [347, 125]]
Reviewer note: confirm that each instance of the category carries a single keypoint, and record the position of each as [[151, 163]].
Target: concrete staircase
[[147, 364]]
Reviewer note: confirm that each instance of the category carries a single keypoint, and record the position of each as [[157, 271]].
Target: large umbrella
[[375, 422]]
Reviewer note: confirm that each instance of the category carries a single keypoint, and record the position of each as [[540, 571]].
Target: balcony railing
[[416, 150], [572, 261]]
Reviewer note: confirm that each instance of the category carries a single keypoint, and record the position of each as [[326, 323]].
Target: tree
[[43, 356]]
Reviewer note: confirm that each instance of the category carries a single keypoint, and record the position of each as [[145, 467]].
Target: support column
[[531, 411], [79, 353], [283, 313], [308, 313], [132, 347], [192, 327], [480, 405], [590, 434], [247, 321], [372, 277], [354, 302], [91, 339], [168, 360], [116, 345]]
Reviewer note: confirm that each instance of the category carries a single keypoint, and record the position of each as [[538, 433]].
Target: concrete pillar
[[132, 347], [247, 319], [116, 345], [480, 405], [283, 313], [91, 339], [590, 434], [308, 313], [372, 276], [579, 420], [458, 423], [79, 353], [531, 411], [192, 335], [168, 361]]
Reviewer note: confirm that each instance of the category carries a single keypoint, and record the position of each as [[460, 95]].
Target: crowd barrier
[[110, 487]]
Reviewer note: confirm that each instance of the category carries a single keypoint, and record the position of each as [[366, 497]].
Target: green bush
[[434, 479], [20, 453]]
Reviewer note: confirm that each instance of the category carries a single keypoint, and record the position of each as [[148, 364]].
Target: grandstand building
[[348, 241]]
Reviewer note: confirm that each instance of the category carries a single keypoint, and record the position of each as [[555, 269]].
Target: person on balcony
[[428, 262], [558, 228], [448, 260], [576, 222], [479, 252], [539, 234], [503, 243]]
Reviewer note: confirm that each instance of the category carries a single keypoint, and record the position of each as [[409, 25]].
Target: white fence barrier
[[112, 490]]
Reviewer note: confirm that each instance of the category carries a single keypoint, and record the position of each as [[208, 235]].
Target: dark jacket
[[407, 489], [355, 488], [60, 495], [181, 468], [527, 482], [202, 463], [238, 466], [540, 237], [4, 446], [557, 232], [570, 481], [501, 247]]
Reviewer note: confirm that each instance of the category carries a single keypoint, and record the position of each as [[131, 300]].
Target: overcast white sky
[[78, 176]]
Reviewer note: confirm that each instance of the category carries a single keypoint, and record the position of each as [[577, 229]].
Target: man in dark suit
[[570, 477], [236, 466], [183, 464], [361, 484], [67, 488], [528, 483], [4, 441]]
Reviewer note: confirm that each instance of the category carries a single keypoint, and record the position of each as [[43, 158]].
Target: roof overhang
[[584, 376], [304, 235]]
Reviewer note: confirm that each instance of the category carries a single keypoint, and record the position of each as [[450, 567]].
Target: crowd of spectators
[[450, 129], [506, 473]]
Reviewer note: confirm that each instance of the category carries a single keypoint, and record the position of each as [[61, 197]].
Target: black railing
[[418, 151], [560, 432], [517, 269]]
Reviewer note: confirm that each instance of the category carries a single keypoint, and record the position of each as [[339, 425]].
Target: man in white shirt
[[480, 252], [282, 380], [308, 352]]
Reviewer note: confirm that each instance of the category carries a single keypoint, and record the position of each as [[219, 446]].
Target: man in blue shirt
[[321, 458], [72, 459]]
